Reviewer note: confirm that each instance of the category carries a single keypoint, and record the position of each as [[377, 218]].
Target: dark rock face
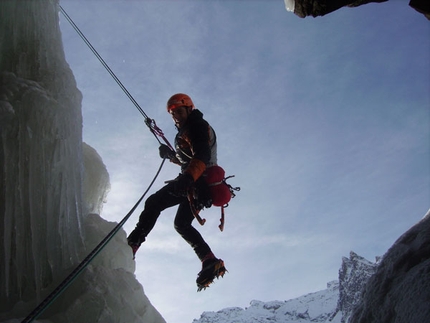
[[399, 291], [422, 6], [315, 8]]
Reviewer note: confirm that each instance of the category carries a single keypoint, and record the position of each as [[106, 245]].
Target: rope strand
[[106, 66], [148, 121]]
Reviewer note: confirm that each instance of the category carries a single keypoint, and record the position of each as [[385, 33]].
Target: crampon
[[206, 277]]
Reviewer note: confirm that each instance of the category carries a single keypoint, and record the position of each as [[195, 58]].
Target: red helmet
[[179, 100]]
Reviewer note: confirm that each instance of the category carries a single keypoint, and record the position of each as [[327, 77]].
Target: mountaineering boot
[[212, 268], [135, 239]]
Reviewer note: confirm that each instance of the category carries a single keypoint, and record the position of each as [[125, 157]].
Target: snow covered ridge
[[333, 304], [353, 276], [303, 309]]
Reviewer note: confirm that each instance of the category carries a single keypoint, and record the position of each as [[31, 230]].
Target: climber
[[196, 150]]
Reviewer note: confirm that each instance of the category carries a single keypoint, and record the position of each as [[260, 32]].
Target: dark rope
[[106, 66]]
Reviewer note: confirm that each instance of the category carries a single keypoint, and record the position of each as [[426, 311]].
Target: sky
[[323, 121]]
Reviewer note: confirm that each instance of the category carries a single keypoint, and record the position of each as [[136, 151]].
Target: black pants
[[162, 200]]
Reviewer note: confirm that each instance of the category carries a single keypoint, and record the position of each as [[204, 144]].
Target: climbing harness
[[156, 131]]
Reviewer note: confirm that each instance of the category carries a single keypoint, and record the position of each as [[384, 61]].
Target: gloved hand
[[182, 183], [166, 152]]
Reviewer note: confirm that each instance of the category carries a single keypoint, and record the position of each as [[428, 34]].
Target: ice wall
[[40, 155], [53, 186], [96, 181]]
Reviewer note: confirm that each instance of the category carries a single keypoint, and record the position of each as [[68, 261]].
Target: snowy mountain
[[314, 307], [333, 304], [353, 275]]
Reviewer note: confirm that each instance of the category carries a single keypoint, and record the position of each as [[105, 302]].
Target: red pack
[[220, 190]]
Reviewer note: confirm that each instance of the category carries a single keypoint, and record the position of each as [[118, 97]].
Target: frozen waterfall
[[47, 225]]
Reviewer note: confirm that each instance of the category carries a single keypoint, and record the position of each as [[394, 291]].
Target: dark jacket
[[195, 145]]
